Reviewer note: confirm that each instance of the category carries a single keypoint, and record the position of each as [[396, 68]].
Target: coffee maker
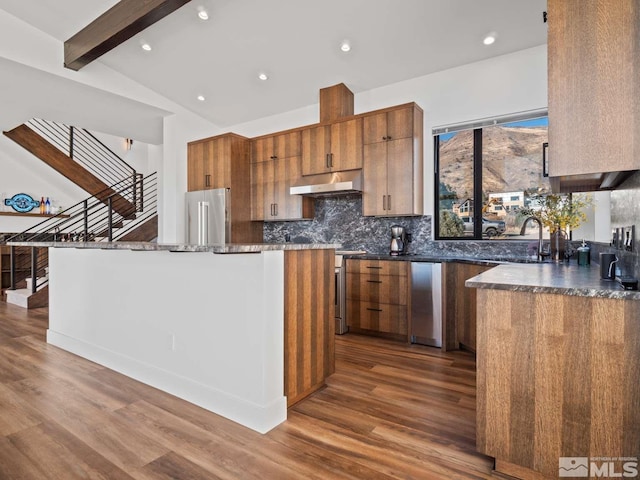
[[398, 240]]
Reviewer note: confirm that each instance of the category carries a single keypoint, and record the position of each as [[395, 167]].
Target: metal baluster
[[12, 261], [86, 218], [110, 220], [71, 141], [34, 256]]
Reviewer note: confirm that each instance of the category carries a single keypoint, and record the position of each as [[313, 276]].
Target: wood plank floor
[[390, 411]]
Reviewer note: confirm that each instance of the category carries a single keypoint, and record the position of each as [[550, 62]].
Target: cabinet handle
[[273, 157], [272, 209], [388, 202], [374, 309], [376, 268], [331, 160], [207, 180], [275, 209], [384, 138], [374, 281], [384, 202], [326, 160]]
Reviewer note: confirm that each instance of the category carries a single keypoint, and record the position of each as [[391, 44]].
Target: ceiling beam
[[115, 26]]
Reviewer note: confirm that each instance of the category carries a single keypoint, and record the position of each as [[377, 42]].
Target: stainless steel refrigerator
[[208, 216]]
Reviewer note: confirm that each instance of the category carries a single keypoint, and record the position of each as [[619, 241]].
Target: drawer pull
[[377, 268], [374, 281], [374, 309]]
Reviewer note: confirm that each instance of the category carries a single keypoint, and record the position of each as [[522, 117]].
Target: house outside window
[[494, 163]]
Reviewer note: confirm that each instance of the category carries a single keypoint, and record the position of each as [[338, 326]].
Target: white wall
[[21, 172]]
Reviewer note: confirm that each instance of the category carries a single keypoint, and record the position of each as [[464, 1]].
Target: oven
[[340, 298]]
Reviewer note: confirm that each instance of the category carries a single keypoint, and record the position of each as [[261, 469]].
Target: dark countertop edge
[[611, 290], [177, 247], [441, 259]]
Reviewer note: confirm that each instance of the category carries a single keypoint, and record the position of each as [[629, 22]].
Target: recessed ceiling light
[[490, 38], [345, 46], [203, 14], [263, 76], [146, 47], [201, 98]]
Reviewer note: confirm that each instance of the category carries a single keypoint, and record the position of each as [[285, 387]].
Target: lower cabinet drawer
[[390, 289], [377, 317]]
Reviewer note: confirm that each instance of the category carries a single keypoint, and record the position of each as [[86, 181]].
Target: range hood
[[336, 183]]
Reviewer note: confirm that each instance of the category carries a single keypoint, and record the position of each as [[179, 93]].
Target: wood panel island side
[[243, 331], [558, 369]]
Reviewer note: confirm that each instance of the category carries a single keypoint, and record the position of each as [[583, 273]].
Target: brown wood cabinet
[[309, 343], [223, 162], [332, 148], [594, 101], [393, 158], [459, 305], [276, 166], [557, 376], [379, 297]]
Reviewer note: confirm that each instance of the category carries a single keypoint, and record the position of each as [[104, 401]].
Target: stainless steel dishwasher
[[426, 303]]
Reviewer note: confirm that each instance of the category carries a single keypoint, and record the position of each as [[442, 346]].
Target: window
[[497, 166]]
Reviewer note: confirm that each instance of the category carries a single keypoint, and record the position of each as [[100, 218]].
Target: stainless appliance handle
[[203, 223]]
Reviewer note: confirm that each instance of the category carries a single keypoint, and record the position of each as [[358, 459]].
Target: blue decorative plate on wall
[[21, 202]]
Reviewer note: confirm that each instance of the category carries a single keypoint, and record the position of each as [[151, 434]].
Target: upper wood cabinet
[[276, 165], [392, 167], [223, 162], [332, 148], [594, 106], [276, 146]]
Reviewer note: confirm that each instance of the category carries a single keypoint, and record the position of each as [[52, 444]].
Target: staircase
[[79, 156]]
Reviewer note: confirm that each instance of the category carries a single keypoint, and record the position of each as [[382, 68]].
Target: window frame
[[477, 128]]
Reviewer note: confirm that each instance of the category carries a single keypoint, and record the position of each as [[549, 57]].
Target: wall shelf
[[18, 214]]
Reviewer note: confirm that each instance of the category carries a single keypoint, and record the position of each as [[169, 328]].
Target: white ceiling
[[296, 42]]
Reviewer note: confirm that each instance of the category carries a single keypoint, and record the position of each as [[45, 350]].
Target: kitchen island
[[241, 330], [558, 369]]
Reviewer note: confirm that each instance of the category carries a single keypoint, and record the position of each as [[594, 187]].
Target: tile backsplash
[[339, 220]]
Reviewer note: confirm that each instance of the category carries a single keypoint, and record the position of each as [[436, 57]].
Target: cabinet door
[[374, 128], [400, 123], [315, 150], [287, 145], [374, 191], [346, 145], [287, 171], [262, 193], [217, 167], [400, 200], [195, 167], [261, 149], [594, 59]]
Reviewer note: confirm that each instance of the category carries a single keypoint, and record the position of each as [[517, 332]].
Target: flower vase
[[558, 240]]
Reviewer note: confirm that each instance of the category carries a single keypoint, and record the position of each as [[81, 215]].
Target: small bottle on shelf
[[41, 204], [47, 206]]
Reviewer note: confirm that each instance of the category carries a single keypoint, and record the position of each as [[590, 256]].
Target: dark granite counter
[[561, 279], [485, 260], [181, 247]]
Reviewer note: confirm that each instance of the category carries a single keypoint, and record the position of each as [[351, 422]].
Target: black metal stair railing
[[91, 220], [85, 149]]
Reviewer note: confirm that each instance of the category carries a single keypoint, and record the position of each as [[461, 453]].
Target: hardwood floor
[[390, 411]]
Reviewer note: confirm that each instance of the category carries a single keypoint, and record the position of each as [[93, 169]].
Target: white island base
[[205, 327]]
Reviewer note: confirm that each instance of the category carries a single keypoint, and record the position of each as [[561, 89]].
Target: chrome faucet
[[524, 228]]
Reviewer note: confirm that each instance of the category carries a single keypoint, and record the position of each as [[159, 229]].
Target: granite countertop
[[181, 247], [561, 279], [486, 260]]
